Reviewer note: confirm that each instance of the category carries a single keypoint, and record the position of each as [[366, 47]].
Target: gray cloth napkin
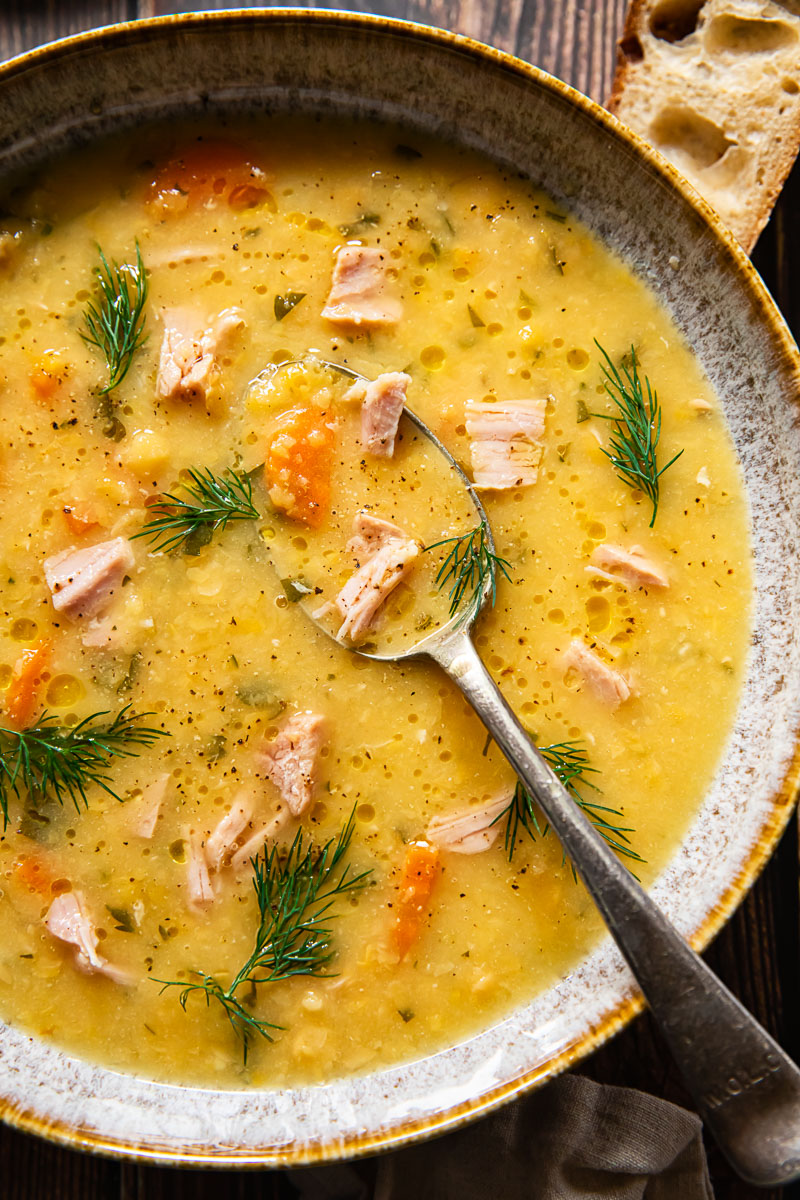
[[571, 1140]]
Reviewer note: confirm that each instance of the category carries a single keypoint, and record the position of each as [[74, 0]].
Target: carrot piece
[[81, 517], [298, 464], [420, 872], [21, 696], [208, 173], [34, 874], [48, 375]]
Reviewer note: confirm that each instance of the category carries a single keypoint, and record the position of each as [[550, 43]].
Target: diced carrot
[[207, 173], [48, 375], [34, 874], [21, 696], [420, 872], [298, 464], [81, 517]]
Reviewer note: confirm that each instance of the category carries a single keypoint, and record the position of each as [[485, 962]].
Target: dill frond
[[570, 763], [468, 565], [295, 891], [211, 501], [637, 428], [49, 760], [115, 323]]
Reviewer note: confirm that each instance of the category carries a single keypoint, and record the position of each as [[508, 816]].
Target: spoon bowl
[[463, 618]]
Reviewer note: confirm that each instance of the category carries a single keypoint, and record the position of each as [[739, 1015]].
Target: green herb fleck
[[363, 221], [132, 674], [283, 305], [261, 694], [295, 589], [476, 320], [123, 918], [583, 412], [216, 747]]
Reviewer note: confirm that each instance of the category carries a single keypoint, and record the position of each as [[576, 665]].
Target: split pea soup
[[325, 857]]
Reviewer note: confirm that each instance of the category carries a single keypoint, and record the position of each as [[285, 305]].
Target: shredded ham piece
[[358, 294], [68, 920], [148, 808], [628, 566], [188, 363], [385, 555], [201, 889], [255, 844], [607, 684], [507, 441], [290, 761], [223, 841], [83, 582], [470, 830], [382, 406]]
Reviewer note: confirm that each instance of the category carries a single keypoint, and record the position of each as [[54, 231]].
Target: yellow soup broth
[[504, 296]]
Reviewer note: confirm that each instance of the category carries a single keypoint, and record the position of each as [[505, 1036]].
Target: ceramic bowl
[[73, 91]]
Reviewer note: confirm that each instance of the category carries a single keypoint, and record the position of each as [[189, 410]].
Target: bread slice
[[715, 86]]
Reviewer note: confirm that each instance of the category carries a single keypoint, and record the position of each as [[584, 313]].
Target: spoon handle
[[745, 1088]]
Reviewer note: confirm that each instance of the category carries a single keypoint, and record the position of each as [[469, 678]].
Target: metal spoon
[[745, 1087]]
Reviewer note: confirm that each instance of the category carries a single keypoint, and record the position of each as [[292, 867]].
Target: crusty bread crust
[[715, 86]]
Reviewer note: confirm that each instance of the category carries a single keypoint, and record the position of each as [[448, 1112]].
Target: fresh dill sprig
[[468, 565], [570, 763], [295, 892], [637, 428], [115, 323], [50, 760], [213, 500]]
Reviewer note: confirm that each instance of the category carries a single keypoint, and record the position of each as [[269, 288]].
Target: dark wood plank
[[32, 1169], [28, 23], [573, 39]]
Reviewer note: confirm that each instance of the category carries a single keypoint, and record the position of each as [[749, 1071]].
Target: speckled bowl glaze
[[273, 60]]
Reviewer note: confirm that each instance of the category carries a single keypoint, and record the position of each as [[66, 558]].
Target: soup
[[176, 488]]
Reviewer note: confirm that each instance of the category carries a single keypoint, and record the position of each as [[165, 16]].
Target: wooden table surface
[[758, 953]]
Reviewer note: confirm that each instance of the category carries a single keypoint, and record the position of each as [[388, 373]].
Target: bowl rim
[[130, 32]]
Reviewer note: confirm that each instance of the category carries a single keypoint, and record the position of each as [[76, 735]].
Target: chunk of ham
[[188, 362], [221, 843], [607, 684], [385, 555], [382, 405], [471, 830], [201, 889], [291, 760], [358, 294], [506, 440], [256, 842], [68, 920], [148, 808], [83, 582], [631, 567]]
